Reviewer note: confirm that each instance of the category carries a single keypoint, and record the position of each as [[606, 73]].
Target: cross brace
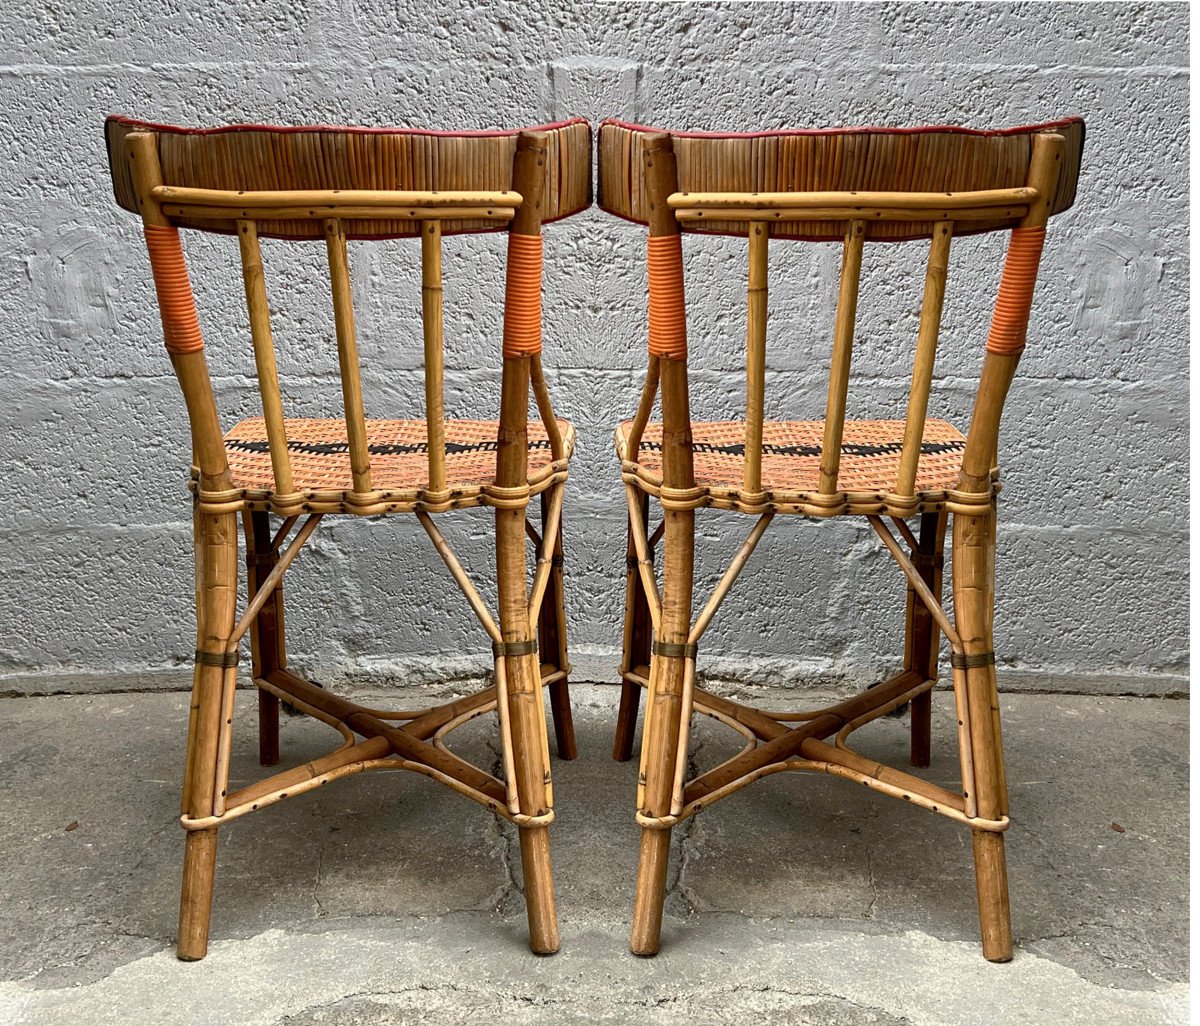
[[418, 744], [800, 741]]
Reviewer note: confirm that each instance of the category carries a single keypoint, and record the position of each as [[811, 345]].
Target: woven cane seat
[[791, 464], [320, 459]]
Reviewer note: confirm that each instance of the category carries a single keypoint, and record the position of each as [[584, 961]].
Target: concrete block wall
[[94, 519]]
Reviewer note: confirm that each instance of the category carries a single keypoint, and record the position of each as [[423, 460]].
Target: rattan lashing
[[857, 186], [334, 185]]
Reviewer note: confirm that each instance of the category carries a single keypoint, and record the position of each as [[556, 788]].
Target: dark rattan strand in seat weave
[[791, 462], [319, 453]]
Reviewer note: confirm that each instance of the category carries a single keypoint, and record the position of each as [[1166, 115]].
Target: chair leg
[[532, 772], [552, 644], [538, 875], [527, 718], [216, 578], [660, 734], [921, 633], [651, 893], [627, 713], [659, 744], [973, 581], [635, 648], [266, 633]]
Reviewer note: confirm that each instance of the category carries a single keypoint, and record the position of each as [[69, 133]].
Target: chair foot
[[564, 724], [651, 892], [195, 902], [991, 885], [631, 695], [539, 890]]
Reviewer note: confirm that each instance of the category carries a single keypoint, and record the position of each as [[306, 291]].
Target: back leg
[[266, 633], [216, 579], [973, 581], [552, 643], [921, 633], [635, 649]]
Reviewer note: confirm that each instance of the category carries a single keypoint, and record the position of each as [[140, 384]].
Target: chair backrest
[[337, 184], [854, 186]]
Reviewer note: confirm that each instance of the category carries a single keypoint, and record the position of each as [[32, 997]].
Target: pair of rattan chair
[[337, 184]]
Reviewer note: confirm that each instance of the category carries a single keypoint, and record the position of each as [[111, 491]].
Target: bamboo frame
[[264, 355], [348, 363], [920, 633], [756, 358], [635, 650], [370, 739], [764, 214], [661, 733], [843, 343], [331, 200], [818, 740], [196, 212], [527, 713], [431, 320], [927, 339], [552, 638], [348, 204], [645, 565], [268, 652], [858, 203]]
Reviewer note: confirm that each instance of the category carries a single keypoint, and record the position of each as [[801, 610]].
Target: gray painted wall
[[94, 519]]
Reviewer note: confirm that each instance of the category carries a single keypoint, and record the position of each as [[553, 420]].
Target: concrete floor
[[384, 899]]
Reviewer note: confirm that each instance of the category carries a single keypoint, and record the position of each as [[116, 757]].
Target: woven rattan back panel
[[934, 159], [263, 158]]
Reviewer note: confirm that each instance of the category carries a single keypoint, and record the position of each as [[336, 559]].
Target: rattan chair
[[850, 186], [334, 184]]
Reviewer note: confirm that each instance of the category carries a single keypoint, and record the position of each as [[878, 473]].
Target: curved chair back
[[337, 184], [854, 186]]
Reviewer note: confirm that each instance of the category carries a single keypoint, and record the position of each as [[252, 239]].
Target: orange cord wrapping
[[523, 296], [668, 324], [1010, 320], [181, 328]]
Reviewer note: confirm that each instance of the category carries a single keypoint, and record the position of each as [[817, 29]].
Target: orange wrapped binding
[[523, 296], [181, 328], [668, 325], [1010, 320]]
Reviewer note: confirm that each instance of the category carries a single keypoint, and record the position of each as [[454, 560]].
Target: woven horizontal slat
[[935, 159], [264, 158]]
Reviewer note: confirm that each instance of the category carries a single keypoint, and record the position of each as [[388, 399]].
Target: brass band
[[513, 648], [962, 662]]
